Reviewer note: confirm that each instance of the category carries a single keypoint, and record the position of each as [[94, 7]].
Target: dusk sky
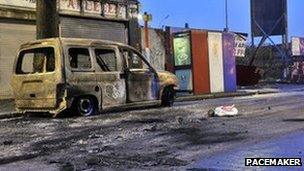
[[210, 14]]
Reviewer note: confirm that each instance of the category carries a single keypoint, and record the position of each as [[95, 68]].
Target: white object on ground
[[226, 111]]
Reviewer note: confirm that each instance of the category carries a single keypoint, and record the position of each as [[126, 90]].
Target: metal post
[[226, 13], [252, 24]]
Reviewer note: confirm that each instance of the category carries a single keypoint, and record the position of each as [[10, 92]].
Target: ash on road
[[151, 139]]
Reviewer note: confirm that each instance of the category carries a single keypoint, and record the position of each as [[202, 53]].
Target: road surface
[[177, 138]]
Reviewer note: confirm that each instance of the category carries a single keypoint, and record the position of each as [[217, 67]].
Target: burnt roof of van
[[73, 41]]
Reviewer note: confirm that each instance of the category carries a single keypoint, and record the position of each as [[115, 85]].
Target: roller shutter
[[93, 29], [12, 35]]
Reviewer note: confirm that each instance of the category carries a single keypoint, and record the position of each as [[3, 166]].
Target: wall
[[157, 47]]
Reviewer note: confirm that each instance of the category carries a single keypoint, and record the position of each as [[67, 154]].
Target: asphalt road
[[177, 138]]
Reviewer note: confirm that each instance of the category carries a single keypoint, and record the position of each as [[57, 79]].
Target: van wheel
[[168, 96], [86, 106]]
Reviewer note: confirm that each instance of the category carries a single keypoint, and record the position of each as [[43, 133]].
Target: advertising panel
[[182, 50], [297, 46], [229, 63], [216, 62], [267, 13], [185, 79]]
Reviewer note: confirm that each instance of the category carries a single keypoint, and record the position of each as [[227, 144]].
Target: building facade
[[114, 20]]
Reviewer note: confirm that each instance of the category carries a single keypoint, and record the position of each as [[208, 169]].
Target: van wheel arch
[[85, 105]]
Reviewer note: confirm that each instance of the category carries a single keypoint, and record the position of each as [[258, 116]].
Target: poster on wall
[[185, 79], [19, 3], [240, 45], [297, 45], [182, 50]]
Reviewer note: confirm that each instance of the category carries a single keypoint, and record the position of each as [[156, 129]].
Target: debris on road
[[179, 120], [68, 167], [224, 111], [151, 129], [92, 160], [9, 142]]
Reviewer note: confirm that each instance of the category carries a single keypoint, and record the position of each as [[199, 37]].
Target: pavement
[[7, 106], [287, 146], [179, 138]]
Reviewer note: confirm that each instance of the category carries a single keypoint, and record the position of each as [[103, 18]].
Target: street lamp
[[147, 17]]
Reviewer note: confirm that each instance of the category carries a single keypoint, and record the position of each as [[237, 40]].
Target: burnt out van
[[88, 76]]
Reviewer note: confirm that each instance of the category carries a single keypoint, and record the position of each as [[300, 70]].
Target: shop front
[[114, 20]]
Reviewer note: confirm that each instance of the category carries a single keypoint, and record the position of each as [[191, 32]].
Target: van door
[[80, 72], [36, 78], [142, 79], [109, 75]]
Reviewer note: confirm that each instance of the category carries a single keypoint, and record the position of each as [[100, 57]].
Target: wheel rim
[[85, 107]]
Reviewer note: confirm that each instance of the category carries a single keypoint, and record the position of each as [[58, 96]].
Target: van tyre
[[168, 97], [86, 106]]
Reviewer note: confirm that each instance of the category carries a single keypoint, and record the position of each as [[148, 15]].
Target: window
[[106, 59], [134, 60], [80, 58], [36, 61]]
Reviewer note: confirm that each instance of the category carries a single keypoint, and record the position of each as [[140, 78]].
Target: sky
[[210, 14]]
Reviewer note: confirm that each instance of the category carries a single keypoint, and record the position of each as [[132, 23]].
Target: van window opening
[[134, 60], [37, 60], [106, 59], [80, 58]]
